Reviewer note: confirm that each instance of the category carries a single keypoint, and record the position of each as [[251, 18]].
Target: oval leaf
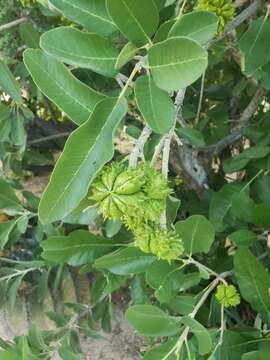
[[200, 26], [9, 84], [86, 151], [79, 248], [252, 45], [155, 105], [197, 234], [177, 62], [243, 237], [53, 78], [74, 47], [137, 20], [149, 320], [92, 15], [254, 281], [128, 261], [126, 54], [5, 230], [29, 35]]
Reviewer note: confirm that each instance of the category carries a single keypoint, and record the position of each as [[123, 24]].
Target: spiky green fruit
[[135, 195], [143, 235], [228, 295], [118, 190], [166, 245], [224, 9], [156, 186]]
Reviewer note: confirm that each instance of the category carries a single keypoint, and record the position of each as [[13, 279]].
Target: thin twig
[[200, 100], [48, 138], [167, 145], [207, 269], [13, 24], [181, 9], [158, 150], [176, 349], [139, 145]]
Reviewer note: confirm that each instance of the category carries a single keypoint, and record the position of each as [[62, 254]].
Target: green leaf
[[18, 134], [159, 4], [87, 50], [5, 230], [168, 279], [260, 216], [254, 281], [232, 347], [78, 248], [202, 335], [242, 205], [112, 227], [238, 162], [83, 214], [177, 62], [29, 35], [172, 207], [127, 261], [5, 126], [9, 84], [13, 290], [163, 31], [126, 54], [197, 233], [243, 237], [151, 321], [137, 20], [92, 15], [8, 199], [172, 284], [252, 45], [162, 351], [200, 26], [138, 290], [220, 205], [193, 136], [155, 105], [86, 151], [58, 83], [182, 304], [262, 189]]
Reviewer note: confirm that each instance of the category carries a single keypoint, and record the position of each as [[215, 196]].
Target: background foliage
[[180, 85]]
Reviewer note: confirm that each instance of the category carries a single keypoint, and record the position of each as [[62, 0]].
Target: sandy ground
[[121, 344]]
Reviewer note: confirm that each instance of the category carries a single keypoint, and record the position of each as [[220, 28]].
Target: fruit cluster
[[224, 9], [138, 196]]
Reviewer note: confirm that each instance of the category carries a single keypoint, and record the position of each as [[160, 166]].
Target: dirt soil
[[122, 344]]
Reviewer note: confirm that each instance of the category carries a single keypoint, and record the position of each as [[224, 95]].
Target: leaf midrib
[[88, 12], [178, 62], [82, 163]]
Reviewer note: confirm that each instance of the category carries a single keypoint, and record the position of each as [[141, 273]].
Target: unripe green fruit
[[129, 182], [143, 238], [135, 195], [166, 245], [224, 9]]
